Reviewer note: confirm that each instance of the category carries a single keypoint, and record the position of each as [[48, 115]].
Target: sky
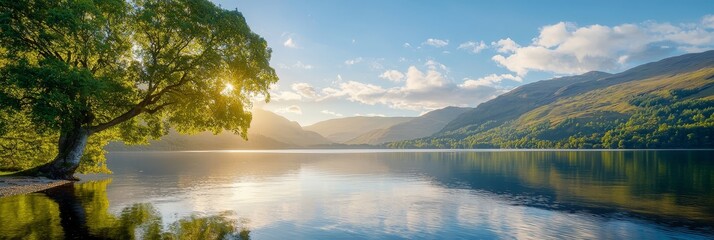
[[338, 58]]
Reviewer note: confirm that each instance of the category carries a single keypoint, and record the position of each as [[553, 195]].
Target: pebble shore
[[14, 185]]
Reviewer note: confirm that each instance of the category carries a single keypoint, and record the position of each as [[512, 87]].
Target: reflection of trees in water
[[81, 211], [674, 184], [29, 216]]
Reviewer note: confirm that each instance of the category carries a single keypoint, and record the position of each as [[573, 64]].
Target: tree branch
[[133, 112], [141, 107], [159, 107], [150, 97]]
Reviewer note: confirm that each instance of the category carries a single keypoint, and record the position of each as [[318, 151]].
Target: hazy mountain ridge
[[663, 104], [268, 131], [341, 130], [422, 126]]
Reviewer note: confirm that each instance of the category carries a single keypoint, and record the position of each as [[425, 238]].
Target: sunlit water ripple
[[426, 194]]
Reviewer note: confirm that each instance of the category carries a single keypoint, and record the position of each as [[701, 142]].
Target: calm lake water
[[348, 194]]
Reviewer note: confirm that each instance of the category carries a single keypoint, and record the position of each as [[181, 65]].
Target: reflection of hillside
[[672, 184], [193, 169], [81, 211]]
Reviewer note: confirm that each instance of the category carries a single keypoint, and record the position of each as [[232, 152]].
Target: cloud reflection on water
[[409, 195]]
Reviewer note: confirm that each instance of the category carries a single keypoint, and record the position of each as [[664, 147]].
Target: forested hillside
[[666, 104]]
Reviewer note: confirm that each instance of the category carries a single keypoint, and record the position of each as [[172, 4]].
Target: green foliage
[[21, 147], [658, 122], [123, 70], [55, 95]]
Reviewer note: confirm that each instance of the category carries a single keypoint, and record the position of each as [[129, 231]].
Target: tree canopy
[[123, 70]]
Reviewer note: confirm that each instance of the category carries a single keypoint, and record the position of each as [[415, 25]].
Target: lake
[[378, 194]]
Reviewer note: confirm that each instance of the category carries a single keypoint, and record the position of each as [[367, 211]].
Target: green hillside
[[665, 104], [511, 105]]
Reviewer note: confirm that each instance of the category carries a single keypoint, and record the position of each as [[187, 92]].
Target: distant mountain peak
[[422, 126], [513, 104], [592, 73], [341, 130]]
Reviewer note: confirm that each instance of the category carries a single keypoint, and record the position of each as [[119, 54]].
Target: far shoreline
[[11, 185], [396, 150]]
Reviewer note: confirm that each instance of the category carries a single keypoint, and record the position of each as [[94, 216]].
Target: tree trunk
[[71, 146]]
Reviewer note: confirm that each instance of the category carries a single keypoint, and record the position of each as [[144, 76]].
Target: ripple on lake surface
[[386, 194]]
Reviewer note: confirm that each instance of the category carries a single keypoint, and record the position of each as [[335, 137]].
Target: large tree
[[90, 71]]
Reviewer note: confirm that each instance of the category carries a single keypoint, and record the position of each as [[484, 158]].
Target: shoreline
[[16, 185]]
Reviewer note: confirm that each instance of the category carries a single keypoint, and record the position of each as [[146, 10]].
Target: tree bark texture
[[70, 149]]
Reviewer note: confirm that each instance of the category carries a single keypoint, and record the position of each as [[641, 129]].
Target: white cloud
[[423, 90], [708, 21], [434, 65], [418, 81], [300, 65], [506, 45], [353, 61], [294, 109], [392, 75], [564, 48], [420, 90], [474, 47], [554, 35], [300, 92], [376, 64], [328, 112], [297, 65], [305, 90], [357, 92], [285, 96], [491, 81], [290, 43], [406, 45], [436, 42]]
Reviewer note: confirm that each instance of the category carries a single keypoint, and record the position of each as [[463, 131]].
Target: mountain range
[[272, 131], [342, 130], [663, 104], [267, 131], [422, 126]]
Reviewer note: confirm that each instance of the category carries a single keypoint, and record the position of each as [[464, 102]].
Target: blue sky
[[404, 58]]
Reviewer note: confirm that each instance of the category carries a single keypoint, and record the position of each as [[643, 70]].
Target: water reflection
[[81, 211], [334, 194], [676, 187], [406, 195]]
